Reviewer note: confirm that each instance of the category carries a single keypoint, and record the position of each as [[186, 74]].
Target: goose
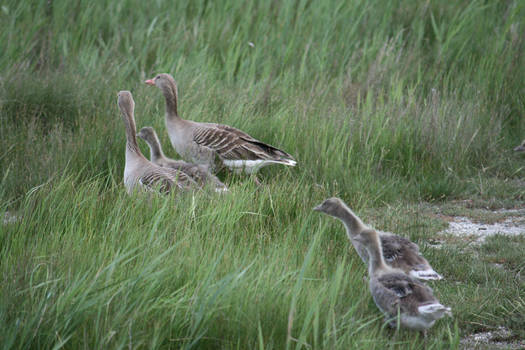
[[398, 251], [199, 173], [521, 147], [138, 171], [397, 294], [214, 145]]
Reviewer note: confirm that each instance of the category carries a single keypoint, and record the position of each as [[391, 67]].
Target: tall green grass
[[382, 103], [402, 90], [248, 270]]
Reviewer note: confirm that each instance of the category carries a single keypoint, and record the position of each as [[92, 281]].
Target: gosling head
[[147, 133], [521, 147], [331, 206]]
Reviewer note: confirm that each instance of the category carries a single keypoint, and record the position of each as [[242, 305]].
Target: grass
[[389, 105]]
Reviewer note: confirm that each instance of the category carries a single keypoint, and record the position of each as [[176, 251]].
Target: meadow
[[408, 110]]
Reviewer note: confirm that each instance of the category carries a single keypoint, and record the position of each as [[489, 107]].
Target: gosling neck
[[155, 149], [376, 261], [353, 224]]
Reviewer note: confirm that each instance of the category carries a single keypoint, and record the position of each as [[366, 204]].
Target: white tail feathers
[[428, 274], [251, 166], [289, 162], [435, 310]]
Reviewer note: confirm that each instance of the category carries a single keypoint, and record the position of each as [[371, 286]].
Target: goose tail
[[289, 162], [435, 310], [426, 275]]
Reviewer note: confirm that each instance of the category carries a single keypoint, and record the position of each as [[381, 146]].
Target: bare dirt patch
[[512, 223], [501, 338], [473, 227]]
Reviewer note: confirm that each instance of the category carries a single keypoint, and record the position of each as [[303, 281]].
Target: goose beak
[[150, 82], [318, 208]]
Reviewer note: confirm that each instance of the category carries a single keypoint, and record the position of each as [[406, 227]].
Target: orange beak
[[150, 82]]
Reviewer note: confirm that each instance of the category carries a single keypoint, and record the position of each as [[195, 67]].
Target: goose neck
[[170, 95], [132, 147]]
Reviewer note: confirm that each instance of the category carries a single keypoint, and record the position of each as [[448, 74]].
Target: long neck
[[375, 255], [170, 94], [352, 223], [132, 148], [155, 149]]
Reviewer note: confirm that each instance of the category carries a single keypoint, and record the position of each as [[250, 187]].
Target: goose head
[[521, 147], [163, 81], [167, 85], [331, 206], [125, 102]]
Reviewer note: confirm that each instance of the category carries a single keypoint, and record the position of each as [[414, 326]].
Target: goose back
[[215, 145], [199, 173]]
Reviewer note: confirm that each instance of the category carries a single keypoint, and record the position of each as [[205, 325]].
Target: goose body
[[198, 173], [396, 294], [398, 252], [140, 173], [214, 145], [521, 147]]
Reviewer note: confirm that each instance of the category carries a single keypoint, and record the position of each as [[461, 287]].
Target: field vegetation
[[405, 109]]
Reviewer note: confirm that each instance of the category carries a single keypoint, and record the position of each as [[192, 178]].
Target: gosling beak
[[317, 208], [150, 82]]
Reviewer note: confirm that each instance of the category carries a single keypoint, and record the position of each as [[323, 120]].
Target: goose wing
[[397, 247], [165, 180], [400, 252], [410, 292], [199, 173], [398, 283], [233, 144]]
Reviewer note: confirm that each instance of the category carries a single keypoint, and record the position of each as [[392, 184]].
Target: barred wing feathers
[[233, 144], [166, 180]]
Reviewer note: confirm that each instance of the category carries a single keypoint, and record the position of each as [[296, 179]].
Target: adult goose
[[138, 171], [214, 145], [396, 294], [398, 251], [521, 147], [199, 173]]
